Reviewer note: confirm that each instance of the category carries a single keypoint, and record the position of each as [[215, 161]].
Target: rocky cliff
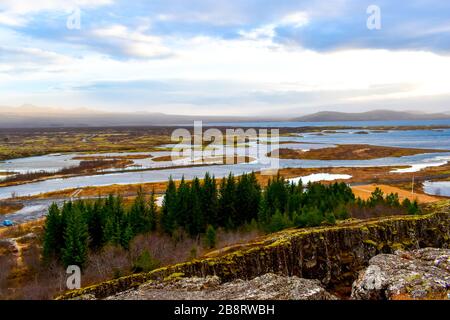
[[420, 274], [333, 255]]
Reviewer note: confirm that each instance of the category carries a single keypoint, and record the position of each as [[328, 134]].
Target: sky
[[226, 57]]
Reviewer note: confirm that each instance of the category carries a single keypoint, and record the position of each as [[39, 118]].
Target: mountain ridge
[[374, 115], [30, 116]]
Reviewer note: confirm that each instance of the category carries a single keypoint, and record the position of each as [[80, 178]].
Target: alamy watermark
[[74, 279], [74, 19], [374, 19], [227, 146]]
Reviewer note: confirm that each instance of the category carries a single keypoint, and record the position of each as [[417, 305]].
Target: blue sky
[[225, 57]]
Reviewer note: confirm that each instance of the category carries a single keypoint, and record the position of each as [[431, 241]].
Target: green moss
[[371, 243], [174, 276]]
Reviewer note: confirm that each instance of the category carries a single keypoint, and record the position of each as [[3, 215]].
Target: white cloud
[[18, 12], [297, 19], [27, 6], [130, 43], [12, 20], [269, 75], [268, 31]]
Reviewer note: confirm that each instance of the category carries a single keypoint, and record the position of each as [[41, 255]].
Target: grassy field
[[32, 142]]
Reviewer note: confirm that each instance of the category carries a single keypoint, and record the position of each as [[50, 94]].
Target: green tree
[[210, 237], [227, 202], [75, 240], [53, 235], [209, 200], [195, 222], [145, 262], [169, 207], [96, 220], [139, 214]]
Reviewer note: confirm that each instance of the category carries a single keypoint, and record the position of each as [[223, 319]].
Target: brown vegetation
[[7, 207], [121, 157], [32, 280], [351, 152], [365, 191]]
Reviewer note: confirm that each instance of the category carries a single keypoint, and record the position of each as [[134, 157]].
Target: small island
[[350, 152]]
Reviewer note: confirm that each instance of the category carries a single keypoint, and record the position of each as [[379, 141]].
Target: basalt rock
[[266, 287], [334, 255], [420, 274]]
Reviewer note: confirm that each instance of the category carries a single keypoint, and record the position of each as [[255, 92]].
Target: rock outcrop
[[420, 274], [266, 287], [333, 255]]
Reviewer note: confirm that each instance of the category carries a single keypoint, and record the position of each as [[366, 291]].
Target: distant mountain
[[375, 115], [29, 116]]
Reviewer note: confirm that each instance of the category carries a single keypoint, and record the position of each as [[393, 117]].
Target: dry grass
[[9, 207], [352, 152], [365, 191]]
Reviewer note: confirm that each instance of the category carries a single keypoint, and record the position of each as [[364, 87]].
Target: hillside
[[332, 254], [375, 115]]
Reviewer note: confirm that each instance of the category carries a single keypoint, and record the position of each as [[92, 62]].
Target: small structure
[[7, 223]]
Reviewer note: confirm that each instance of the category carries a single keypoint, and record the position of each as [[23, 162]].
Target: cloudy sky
[[240, 57]]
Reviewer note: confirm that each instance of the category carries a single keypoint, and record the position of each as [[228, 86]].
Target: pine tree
[[210, 237], [75, 240], [227, 202], [195, 222], [52, 236], [169, 207], [96, 224], [139, 214], [183, 213], [209, 200], [248, 197]]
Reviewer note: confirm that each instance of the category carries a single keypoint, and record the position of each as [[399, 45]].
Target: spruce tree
[[52, 237], [169, 207], [227, 202], [96, 224], [139, 214], [209, 200], [195, 222], [75, 240], [210, 237]]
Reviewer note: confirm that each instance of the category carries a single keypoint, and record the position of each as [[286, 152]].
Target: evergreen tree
[[211, 237], [139, 217], [195, 221], [169, 207], [75, 240], [52, 236], [227, 202], [209, 200], [183, 213], [96, 224]]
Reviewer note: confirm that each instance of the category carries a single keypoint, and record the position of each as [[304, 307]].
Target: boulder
[[419, 274]]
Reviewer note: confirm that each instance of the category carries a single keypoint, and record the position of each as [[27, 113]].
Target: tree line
[[200, 207], [81, 225]]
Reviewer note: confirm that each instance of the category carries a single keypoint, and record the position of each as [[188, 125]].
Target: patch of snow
[[320, 177], [418, 167]]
